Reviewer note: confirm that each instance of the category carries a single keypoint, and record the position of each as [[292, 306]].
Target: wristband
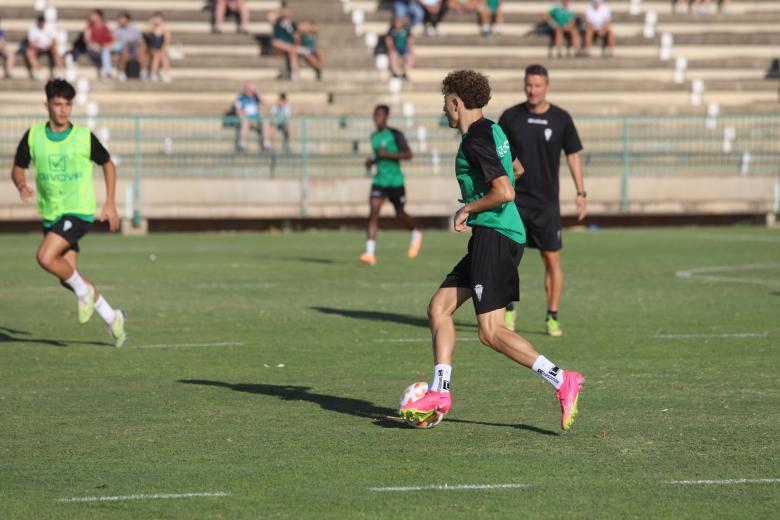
[[583, 194]]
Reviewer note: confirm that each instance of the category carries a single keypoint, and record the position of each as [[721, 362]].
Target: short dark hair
[[99, 12], [59, 88], [537, 70], [39, 19], [283, 96], [125, 14], [472, 87], [383, 108]]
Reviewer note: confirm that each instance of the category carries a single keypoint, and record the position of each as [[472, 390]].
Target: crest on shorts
[[478, 291], [547, 134]]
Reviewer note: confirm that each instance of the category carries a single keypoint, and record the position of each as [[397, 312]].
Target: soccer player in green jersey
[[389, 149], [62, 153], [487, 275]]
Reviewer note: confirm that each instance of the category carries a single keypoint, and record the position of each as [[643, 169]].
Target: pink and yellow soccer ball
[[415, 392]]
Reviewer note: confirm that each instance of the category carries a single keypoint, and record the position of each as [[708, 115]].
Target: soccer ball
[[412, 393]]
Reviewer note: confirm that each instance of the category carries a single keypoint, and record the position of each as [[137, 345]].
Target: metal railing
[[625, 146]]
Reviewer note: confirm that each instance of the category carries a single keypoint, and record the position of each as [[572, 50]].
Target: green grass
[[309, 438]]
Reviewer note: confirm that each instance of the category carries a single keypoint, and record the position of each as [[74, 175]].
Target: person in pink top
[[99, 40]]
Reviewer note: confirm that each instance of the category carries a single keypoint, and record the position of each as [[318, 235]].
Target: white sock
[[77, 283], [104, 309], [370, 246], [548, 371], [441, 378], [416, 235]]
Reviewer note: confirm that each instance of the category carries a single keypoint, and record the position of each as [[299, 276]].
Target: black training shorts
[[396, 195], [542, 227], [489, 269], [71, 229]]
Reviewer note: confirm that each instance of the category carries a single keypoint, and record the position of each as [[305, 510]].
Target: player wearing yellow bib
[[62, 154]]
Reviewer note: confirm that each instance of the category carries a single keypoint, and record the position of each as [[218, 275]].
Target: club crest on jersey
[[547, 134], [478, 291]]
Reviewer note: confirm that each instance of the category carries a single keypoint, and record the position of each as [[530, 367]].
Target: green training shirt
[[484, 156], [388, 171]]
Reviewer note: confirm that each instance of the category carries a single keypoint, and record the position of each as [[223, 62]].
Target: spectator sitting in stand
[[281, 112], [400, 46], [434, 12], [223, 7], [598, 20], [491, 18], [410, 9], [7, 55], [563, 22], [129, 45], [42, 39], [158, 41], [306, 39], [99, 40], [248, 106], [283, 41]]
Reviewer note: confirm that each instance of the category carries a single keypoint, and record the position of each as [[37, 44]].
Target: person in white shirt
[[42, 39], [598, 20]]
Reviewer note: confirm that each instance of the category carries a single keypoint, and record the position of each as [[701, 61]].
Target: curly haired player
[[488, 273]]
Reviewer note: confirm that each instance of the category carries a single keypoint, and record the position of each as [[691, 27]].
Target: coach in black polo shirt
[[537, 132]]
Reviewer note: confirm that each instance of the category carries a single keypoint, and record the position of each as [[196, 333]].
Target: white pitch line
[[706, 274], [162, 496], [729, 481], [447, 487], [726, 335], [187, 345]]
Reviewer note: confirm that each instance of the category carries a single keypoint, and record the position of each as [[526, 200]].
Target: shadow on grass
[[382, 416], [309, 259], [6, 337], [404, 319]]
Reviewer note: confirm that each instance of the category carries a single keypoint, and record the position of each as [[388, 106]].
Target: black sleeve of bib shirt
[[23, 159], [571, 139], [400, 141], [480, 152], [99, 154]]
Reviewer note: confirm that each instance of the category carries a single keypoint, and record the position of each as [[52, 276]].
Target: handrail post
[[305, 166], [626, 168], [137, 216]]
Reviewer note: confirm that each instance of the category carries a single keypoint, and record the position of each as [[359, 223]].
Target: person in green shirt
[[389, 148], [563, 21], [400, 47], [62, 154], [487, 275], [309, 47]]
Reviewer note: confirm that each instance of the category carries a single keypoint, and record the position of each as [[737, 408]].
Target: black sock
[[510, 306], [552, 314]]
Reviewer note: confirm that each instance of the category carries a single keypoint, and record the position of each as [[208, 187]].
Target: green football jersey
[[484, 156], [388, 171]]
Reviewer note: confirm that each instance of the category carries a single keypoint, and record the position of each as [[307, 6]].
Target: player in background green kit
[[62, 153], [389, 148]]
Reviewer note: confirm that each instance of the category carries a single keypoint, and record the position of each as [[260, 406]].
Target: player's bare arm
[[109, 207], [398, 156], [517, 168], [26, 193], [575, 166], [501, 192]]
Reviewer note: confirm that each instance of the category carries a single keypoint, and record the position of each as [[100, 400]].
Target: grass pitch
[[264, 367]]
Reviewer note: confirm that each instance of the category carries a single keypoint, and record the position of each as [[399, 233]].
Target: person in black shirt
[[537, 132]]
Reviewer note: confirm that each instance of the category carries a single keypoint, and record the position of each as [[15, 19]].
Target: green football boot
[[87, 306], [553, 327], [117, 329]]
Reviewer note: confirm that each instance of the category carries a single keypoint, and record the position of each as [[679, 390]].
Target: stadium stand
[[728, 52], [666, 64]]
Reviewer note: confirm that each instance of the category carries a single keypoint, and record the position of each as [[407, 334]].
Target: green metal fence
[[162, 146]]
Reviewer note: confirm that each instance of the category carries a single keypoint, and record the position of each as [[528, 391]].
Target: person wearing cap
[[598, 20]]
